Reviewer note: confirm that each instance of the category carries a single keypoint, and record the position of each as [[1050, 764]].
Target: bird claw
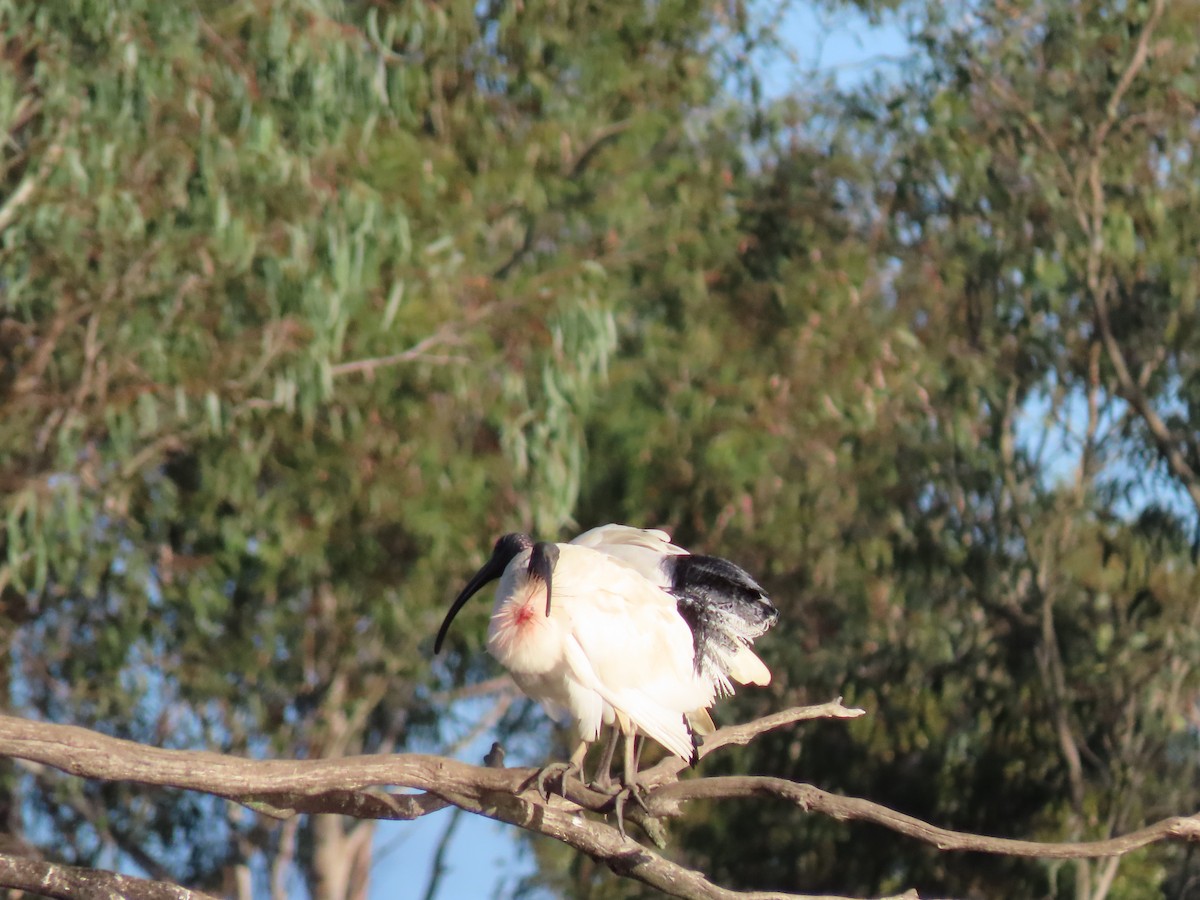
[[622, 797], [560, 770]]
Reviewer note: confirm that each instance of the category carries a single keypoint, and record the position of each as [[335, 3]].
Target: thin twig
[[418, 351], [854, 809], [484, 723], [1141, 53], [741, 735], [498, 684]]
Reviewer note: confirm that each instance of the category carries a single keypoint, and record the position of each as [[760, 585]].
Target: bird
[[621, 627]]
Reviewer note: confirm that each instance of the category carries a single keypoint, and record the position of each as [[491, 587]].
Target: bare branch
[[852, 808], [573, 171], [741, 735], [283, 788], [417, 352], [351, 786], [520, 251], [77, 883], [497, 685], [1132, 391], [602, 137], [1141, 54]]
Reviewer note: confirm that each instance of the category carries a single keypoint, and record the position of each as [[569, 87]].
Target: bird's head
[[506, 549]]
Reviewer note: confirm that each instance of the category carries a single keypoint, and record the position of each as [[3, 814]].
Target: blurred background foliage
[[303, 303]]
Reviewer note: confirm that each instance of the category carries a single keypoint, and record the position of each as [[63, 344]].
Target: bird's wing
[[641, 549], [603, 536], [667, 726], [628, 642], [726, 610]]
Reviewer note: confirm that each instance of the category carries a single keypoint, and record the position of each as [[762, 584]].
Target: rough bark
[[358, 786]]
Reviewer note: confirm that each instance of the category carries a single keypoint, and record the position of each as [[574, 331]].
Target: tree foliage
[[958, 448], [303, 303], [298, 302]]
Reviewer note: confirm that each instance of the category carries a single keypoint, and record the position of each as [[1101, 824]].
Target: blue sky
[[484, 858]]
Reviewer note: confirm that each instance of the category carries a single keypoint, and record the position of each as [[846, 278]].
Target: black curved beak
[[502, 554], [541, 567]]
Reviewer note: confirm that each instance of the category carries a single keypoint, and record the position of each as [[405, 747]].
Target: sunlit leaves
[[302, 305]]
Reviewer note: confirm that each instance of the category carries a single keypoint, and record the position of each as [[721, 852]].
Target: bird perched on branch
[[622, 627]]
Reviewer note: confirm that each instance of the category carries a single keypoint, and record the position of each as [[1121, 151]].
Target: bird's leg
[[579, 755], [631, 787], [603, 779], [560, 770], [633, 752], [630, 758], [638, 744]]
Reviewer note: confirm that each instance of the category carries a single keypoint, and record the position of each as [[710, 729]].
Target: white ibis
[[622, 626]]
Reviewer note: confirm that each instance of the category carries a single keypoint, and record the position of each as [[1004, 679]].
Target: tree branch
[[741, 735], [1092, 220], [1141, 53], [417, 352], [574, 171], [1129, 388], [351, 786], [812, 798], [77, 883]]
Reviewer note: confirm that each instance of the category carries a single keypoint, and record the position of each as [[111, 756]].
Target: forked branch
[[356, 786]]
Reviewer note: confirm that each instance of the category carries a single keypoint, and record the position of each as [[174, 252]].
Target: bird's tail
[[746, 668], [701, 722]]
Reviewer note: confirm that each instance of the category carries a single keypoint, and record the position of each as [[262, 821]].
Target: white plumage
[[735, 609], [622, 626]]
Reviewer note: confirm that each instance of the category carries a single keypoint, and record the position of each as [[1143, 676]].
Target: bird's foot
[[632, 791], [559, 770]]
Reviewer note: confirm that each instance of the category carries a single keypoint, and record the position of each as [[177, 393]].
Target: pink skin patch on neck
[[524, 614], [519, 618]]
